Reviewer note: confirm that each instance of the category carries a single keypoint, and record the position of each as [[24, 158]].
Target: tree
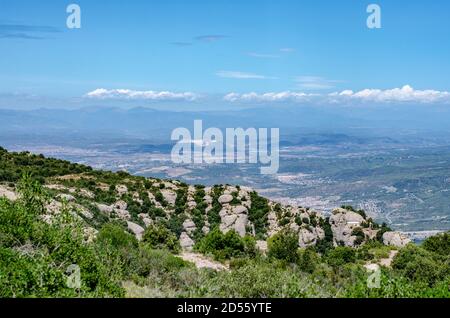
[[284, 246]]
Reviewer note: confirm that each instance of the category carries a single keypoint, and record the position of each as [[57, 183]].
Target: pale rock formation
[[225, 198], [186, 242], [7, 193], [395, 239], [169, 195], [262, 246], [136, 229], [53, 207], [189, 226], [120, 205], [106, 209], [121, 189], [122, 214], [342, 224], [146, 219], [308, 238], [66, 197]]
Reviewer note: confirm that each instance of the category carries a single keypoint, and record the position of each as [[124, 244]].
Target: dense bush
[[340, 255], [159, 237], [13, 165], [258, 213], [418, 264], [284, 246], [225, 246], [439, 244]]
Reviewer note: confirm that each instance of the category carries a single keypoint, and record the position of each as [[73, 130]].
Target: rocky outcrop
[[169, 195], [343, 222], [226, 198], [7, 193], [396, 239], [136, 229], [186, 242], [234, 218]]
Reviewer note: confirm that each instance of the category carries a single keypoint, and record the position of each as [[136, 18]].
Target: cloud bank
[[405, 94], [127, 94], [268, 97]]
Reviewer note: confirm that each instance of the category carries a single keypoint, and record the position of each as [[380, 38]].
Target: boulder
[[240, 226], [136, 229], [342, 224], [186, 242], [65, 197], [121, 189], [120, 205], [225, 198], [107, 209], [169, 195], [239, 209], [395, 239], [122, 214], [189, 225], [8, 194]]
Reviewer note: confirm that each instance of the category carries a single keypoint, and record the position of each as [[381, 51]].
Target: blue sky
[[200, 51]]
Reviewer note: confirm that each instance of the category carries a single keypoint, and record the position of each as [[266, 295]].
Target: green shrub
[[225, 246], [308, 260], [340, 255], [418, 264], [439, 244], [114, 234], [159, 237], [284, 246]]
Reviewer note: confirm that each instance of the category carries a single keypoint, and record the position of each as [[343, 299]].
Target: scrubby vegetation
[[39, 255]]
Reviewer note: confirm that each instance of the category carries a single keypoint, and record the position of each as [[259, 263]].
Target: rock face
[[186, 242], [395, 239], [7, 193], [136, 229], [169, 195], [343, 222], [66, 197], [234, 218], [310, 237], [226, 198]]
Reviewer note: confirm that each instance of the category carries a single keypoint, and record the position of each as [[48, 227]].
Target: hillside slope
[[136, 224]]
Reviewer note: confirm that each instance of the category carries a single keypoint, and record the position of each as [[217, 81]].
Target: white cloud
[[268, 97], [404, 94], [242, 75], [127, 94]]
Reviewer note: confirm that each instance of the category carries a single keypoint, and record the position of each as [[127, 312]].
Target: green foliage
[[439, 244], [159, 237], [225, 246], [360, 236], [383, 229], [13, 165], [325, 244], [284, 246], [308, 260], [418, 264], [258, 214], [113, 234], [340, 255]]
